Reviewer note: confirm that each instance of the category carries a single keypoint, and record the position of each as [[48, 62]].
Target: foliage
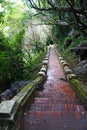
[[70, 57], [31, 69], [35, 38], [11, 35], [19, 55], [71, 12], [60, 31], [49, 41]]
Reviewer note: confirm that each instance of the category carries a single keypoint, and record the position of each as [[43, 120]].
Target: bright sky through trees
[[1, 8]]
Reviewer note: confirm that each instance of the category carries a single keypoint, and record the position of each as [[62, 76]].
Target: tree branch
[[48, 23], [75, 14], [58, 8], [78, 12]]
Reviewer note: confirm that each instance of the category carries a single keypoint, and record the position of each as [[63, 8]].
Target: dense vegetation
[[18, 54], [27, 26], [64, 16], [65, 12], [68, 19]]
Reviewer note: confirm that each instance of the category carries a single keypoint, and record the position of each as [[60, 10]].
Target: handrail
[[10, 116], [11, 109], [76, 85]]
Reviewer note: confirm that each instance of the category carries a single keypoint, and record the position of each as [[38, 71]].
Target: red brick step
[[56, 107]]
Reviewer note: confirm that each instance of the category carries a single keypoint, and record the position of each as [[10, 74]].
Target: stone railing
[[11, 110], [76, 85]]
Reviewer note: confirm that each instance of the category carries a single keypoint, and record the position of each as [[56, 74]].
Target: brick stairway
[[56, 107]]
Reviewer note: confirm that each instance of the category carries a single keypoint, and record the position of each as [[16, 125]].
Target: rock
[[13, 90], [81, 68], [80, 51], [7, 94]]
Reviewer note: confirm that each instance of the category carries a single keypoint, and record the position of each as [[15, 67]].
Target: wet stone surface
[[56, 107]]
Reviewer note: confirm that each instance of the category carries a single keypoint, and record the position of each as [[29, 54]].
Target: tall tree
[[70, 12], [11, 34]]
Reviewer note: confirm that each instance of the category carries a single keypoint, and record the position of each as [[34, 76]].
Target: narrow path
[[56, 107]]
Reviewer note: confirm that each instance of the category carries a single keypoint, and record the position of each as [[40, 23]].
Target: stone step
[[49, 95], [57, 99], [40, 116], [56, 120], [57, 107]]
